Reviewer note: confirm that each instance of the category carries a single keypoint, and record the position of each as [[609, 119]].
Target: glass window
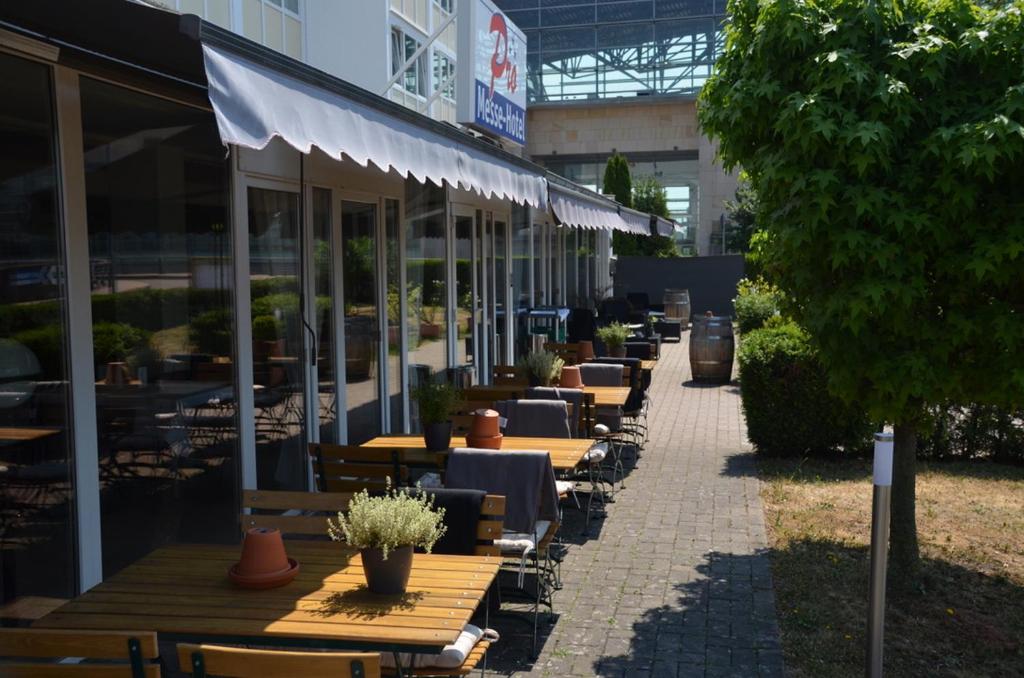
[[444, 69], [323, 282], [425, 284], [525, 19], [567, 39], [447, 6], [162, 307], [520, 273], [362, 320], [625, 11], [567, 16], [395, 300], [277, 336], [403, 47], [38, 556], [670, 9]]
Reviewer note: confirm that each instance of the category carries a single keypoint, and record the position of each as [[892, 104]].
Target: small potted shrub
[[539, 368], [614, 337], [386, 529], [435, 401]]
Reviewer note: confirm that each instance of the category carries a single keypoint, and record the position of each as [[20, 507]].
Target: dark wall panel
[[711, 280]]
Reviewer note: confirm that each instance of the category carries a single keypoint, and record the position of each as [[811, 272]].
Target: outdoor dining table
[[648, 365], [604, 396], [183, 592], [566, 453]]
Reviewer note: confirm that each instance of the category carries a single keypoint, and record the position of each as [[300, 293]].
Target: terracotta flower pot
[[389, 576], [585, 351], [264, 563], [485, 424], [117, 373], [437, 437], [485, 442], [571, 377]]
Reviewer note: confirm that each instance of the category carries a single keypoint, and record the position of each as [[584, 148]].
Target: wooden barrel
[[711, 348], [677, 306]]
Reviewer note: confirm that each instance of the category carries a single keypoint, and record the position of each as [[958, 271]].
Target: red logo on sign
[[502, 64]]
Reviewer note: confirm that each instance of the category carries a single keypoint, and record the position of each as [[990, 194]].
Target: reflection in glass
[[465, 346], [392, 255], [323, 273], [426, 290], [277, 335], [36, 552], [156, 184], [362, 327], [500, 294], [539, 284], [570, 273], [520, 275]]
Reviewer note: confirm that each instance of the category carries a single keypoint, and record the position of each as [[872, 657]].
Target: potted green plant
[[435, 401], [614, 337], [539, 368], [386, 529]]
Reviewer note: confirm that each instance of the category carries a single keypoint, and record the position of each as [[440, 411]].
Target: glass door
[[363, 323], [465, 291], [278, 337]]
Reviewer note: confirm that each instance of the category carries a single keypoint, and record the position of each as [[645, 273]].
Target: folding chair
[[235, 662]]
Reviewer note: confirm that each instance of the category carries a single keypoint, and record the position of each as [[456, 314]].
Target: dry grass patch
[[967, 619]]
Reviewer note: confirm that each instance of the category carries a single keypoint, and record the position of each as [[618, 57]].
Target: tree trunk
[[903, 549]]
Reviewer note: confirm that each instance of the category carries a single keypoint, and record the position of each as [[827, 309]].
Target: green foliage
[[266, 328], [436, 401], [114, 342], [614, 335], [617, 181], [540, 366], [47, 342], [885, 144], [391, 521], [212, 332], [788, 409], [756, 302], [974, 432], [742, 215], [648, 196]]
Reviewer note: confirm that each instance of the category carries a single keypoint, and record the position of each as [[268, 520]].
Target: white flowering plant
[[389, 521]]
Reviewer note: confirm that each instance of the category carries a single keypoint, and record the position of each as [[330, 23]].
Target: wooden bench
[[111, 654]]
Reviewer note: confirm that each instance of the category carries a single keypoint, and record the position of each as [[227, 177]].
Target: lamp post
[[879, 551]]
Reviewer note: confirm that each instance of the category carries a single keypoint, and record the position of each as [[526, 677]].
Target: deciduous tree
[[885, 143]]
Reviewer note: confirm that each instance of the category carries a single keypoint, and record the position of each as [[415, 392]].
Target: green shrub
[[436, 401], [115, 342], [788, 408], [613, 336], [47, 342], [974, 432], [211, 332], [266, 328], [756, 302]]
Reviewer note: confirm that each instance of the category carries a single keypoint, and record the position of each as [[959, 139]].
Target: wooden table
[[566, 453], [648, 365], [22, 434], [604, 396], [183, 591]]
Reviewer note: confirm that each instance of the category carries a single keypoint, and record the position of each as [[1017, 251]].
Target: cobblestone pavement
[[675, 581]]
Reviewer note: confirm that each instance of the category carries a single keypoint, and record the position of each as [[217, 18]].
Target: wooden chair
[[234, 662], [111, 654], [485, 393], [350, 468], [567, 352], [304, 514]]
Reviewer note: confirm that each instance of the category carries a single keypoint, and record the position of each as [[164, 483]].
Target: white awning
[[254, 103], [638, 223], [665, 226], [575, 209]]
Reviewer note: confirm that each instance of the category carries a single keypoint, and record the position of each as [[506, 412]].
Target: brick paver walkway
[[675, 581]]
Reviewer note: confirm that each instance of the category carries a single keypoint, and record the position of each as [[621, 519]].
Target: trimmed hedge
[[785, 397], [974, 432]]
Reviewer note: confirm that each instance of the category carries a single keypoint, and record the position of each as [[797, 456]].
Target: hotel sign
[[491, 71]]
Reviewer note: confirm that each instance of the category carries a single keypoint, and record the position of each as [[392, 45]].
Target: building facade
[[186, 305], [607, 76]]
